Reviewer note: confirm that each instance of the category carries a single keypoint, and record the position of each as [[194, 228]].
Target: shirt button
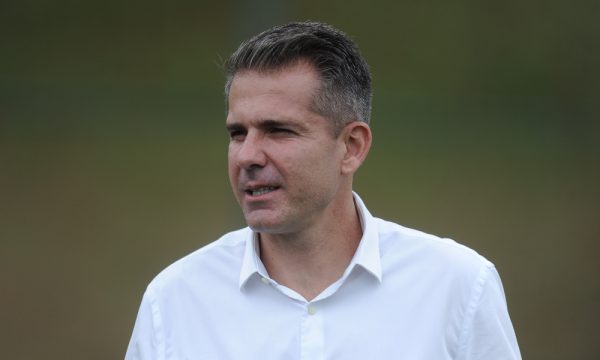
[[264, 280], [312, 310]]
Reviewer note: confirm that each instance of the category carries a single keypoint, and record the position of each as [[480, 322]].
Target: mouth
[[258, 191]]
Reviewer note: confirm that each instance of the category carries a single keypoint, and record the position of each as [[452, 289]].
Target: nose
[[250, 152]]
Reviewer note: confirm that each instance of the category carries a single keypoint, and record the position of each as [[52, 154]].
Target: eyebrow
[[265, 124], [234, 127]]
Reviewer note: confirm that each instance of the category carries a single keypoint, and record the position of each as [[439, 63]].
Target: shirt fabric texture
[[404, 295]]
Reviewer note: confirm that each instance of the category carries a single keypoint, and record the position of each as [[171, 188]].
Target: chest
[[265, 324]]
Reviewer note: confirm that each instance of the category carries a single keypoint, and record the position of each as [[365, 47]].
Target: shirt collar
[[367, 254], [251, 264]]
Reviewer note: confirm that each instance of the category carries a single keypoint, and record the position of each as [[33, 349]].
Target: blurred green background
[[113, 152]]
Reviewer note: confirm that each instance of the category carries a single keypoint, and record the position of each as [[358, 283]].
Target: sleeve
[[147, 341], [487, 331]]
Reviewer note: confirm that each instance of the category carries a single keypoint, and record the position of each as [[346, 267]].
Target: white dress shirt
[[405, 295]]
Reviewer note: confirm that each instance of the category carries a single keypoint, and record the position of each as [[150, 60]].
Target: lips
[[259, 190]]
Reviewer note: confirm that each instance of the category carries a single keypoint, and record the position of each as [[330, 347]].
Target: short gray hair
[[345, 92]]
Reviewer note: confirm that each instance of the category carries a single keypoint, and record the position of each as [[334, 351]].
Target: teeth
[[262, 190]]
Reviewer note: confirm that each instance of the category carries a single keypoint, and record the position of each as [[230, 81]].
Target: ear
[[357, 140]]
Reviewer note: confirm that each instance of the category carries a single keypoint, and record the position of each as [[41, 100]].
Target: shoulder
[[221, 258], [453, 282], [429, 254], [447, 273]]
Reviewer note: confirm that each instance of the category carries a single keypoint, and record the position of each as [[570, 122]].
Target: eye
[[280, 130], [237, 135]]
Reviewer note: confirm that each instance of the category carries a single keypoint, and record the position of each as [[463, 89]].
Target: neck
[[311, 260]]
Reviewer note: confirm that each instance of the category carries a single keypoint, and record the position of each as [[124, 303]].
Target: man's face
[[284, 162]]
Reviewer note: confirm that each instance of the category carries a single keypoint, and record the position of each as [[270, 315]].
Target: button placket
[[312, 334]]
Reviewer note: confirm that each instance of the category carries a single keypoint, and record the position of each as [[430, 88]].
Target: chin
[[263, 220], [262, 227], [267, 226]]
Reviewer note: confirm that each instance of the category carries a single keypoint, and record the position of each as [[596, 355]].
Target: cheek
[[232, 170], [317, 167], [232, 150]]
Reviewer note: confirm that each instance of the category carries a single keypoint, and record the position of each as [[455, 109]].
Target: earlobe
[[357, 139]]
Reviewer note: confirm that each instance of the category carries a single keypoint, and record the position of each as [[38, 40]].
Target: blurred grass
[[113, 153]]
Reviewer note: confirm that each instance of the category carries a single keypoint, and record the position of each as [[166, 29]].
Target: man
[[315, 276]]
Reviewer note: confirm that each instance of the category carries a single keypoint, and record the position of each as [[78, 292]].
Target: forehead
[[289, 89]]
